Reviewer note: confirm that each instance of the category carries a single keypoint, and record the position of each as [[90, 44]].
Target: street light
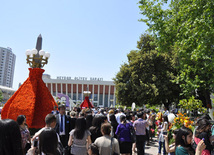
[[32, 57], [37, 58]]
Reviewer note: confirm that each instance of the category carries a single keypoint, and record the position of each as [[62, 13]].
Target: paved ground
[[152, 149]]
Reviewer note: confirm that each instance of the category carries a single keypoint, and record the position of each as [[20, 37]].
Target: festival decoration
[[86, 103], [171, 117], [33, 98]]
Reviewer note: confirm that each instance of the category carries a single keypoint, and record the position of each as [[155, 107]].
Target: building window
[[69, 95], [74, 96], [101, 99], [79, 96], [95, 97], [106, 100]]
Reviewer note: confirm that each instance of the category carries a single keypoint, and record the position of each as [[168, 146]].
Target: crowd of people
[[103, 131]]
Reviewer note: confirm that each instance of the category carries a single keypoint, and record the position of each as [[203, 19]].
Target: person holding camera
[[45, 144], [50, 121]]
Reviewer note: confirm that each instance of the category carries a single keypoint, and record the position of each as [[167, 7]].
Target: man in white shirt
[[50, 121], [118, 115]]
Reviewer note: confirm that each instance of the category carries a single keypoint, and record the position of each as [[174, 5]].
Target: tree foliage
[[192, 104], [147, 77], [186, 28]]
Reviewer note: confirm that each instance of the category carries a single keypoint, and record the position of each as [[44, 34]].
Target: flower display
[[182, 120], [32, 99]]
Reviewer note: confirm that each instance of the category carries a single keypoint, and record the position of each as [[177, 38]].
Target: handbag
[[114, 153], [133, 134]]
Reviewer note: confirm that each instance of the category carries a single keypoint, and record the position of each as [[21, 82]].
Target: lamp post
[[37, 58], [112, 103]]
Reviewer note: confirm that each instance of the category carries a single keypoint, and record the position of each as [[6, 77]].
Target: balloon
[[171, 117]]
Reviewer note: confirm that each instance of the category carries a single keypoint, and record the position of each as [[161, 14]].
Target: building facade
[[7, 66], [102, 92], [6, 93]]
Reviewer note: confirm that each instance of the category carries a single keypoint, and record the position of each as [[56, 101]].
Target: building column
[[77, 93], [52, 89], [56, 89], [109, 89], [66, 87], [92, 92], [103, 95], [114, 97], [72, 95], [98, 96], [82, 93]]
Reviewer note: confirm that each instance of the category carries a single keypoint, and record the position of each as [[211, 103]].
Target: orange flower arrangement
[[32, 99], [182, 120]]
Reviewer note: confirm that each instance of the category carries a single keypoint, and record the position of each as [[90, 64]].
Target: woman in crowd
[[48, 142], [104, 119], [152, 126], [183, 143], [124, 136], [106, 144], [203, 132], [26, 139], [110, 113], [95, 128], [10, 138], [170, 148], [163, 132], [89, 119], [114, 125], [79, 139]]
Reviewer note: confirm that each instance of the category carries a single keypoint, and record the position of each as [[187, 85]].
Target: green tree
[[147, 77], [192, 104], [186, 28]]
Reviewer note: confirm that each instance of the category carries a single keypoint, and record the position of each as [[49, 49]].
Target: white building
[[102, 92], [7, 66], [7, 93]]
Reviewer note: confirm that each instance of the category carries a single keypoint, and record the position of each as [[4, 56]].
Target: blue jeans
[[160, 146]]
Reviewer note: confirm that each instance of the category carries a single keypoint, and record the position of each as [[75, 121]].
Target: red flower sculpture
[[32, 99], [86, 103]]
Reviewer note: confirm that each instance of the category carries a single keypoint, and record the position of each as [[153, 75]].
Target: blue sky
[[86, 38]]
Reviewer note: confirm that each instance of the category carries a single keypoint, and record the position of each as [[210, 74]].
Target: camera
[[165, 133], [35, 142]]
